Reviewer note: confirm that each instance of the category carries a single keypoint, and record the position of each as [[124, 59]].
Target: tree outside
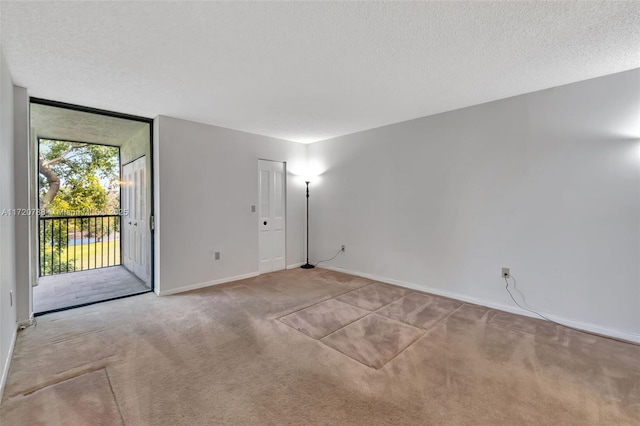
[[76, 179]]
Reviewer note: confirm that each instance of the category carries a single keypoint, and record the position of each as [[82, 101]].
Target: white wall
[[545, 183], [206, 183], [23, 255], [8, 322]]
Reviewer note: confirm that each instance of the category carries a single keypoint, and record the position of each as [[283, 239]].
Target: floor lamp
[[307, 265]]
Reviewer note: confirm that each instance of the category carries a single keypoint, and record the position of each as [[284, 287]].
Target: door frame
[[284, 164], [34, 273]]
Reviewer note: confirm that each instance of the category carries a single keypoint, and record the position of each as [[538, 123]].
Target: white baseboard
[[295, 265], [206, 284], [27, 323], [24, 324], [5, 370], [618, 334]]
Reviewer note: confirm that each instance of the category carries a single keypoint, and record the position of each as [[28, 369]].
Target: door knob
[[135, 224], [265, 222], [129, 223]]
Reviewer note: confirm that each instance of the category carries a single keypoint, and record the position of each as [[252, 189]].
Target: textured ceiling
[[65, 124], [309, 71]]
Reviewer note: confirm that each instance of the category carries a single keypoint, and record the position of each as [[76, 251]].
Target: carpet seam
[[324, 300], [425, 332], [445, 317], [115, 399], [305, 335], [383, 306], [394, 301], [331, 332], [57, 382], [68, 338], [381, 316]]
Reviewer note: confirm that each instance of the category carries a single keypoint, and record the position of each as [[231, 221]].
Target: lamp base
[[307, 266]]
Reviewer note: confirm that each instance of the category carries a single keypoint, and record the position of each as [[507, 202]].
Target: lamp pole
[[307, 265]]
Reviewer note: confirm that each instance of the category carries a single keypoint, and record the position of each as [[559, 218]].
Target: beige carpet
[[314, 347]]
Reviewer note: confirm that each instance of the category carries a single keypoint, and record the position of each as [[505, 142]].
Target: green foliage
[[88, 174], [52, 262], [81, 159], [82, 194], [88, 179], [53, 240]]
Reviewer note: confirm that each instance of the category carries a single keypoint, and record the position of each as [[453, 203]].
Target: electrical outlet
[[505, 272], [342, 249], [217, 255]]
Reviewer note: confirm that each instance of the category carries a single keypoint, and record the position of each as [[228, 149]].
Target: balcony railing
[[78, 243]]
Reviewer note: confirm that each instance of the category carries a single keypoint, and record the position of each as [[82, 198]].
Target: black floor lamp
[[307, 265]]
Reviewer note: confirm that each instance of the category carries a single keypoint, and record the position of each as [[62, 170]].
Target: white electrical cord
[[328, 260], [506, 280]]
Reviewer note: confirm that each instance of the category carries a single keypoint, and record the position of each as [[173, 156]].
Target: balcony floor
[[77, 288]]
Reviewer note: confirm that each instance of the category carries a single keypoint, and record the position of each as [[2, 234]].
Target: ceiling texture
[[308, 71], [66, 124]]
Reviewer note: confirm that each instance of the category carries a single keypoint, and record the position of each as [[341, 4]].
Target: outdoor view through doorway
[[84, 236]]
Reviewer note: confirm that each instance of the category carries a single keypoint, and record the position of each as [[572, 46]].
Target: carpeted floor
[[314, 347]]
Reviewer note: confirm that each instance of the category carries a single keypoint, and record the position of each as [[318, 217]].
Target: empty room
[[336, 213]]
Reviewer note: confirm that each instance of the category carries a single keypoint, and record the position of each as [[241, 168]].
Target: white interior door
[[134, 225], [271, 215], [126, 220]]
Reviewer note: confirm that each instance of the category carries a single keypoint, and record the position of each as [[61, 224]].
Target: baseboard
[[295, 265], [28, 323], [5, 370], [206, 284], [593, 328]]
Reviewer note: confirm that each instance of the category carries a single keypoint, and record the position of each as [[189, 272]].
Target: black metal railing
[[78, 243]]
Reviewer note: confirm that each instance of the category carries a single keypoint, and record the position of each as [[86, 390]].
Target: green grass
[[89, 256]]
